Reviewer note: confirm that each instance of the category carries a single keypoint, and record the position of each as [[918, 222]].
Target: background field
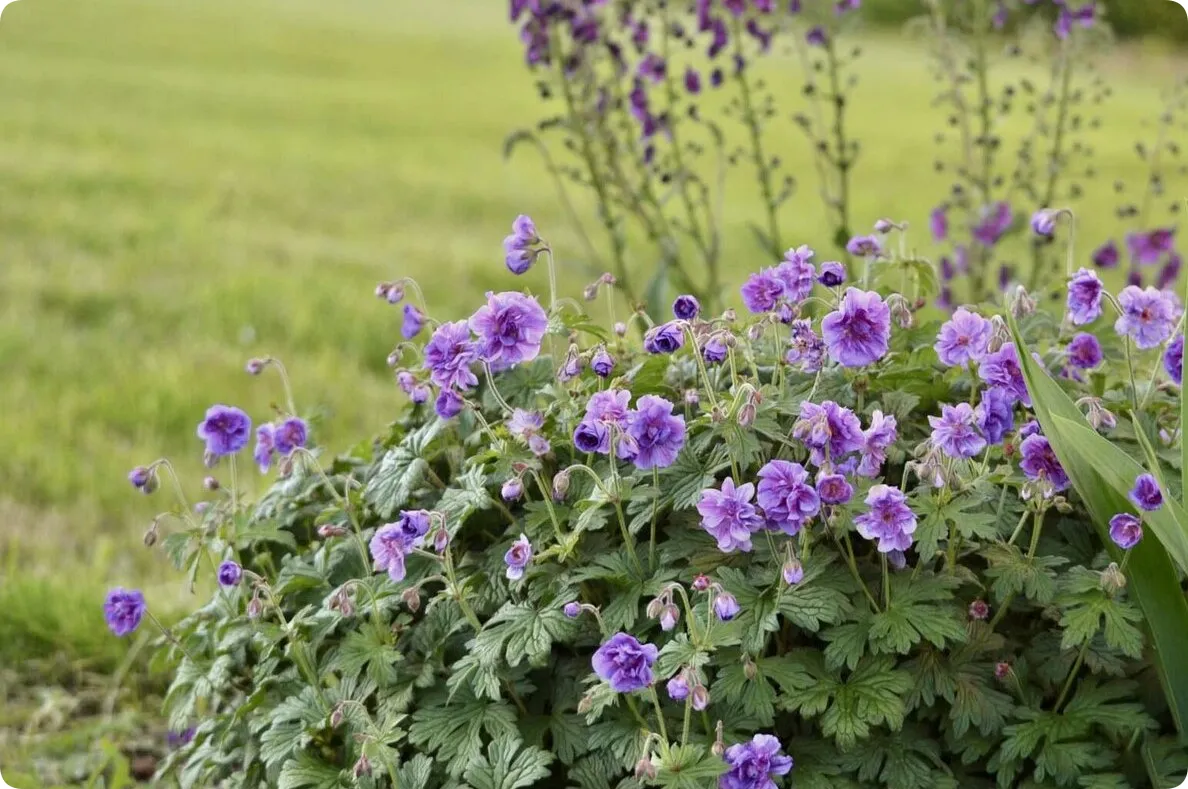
[[184, 185]]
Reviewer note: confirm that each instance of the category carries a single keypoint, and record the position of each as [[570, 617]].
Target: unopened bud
[[572, 365], [793, 572], [586, 704], [700, 697], [620, 329], [1099, 416], [394, 357], [1023, 303], [669, 616], [750, 669], [210, 459], [883, 226], [150, 536], [329, 530], [645, 769], [560, 485], [901, 311], [362, 767], [1062, 505], [590, 292], [746, 415], [755, 331], [336, 716], [701, 583], [255, 607], [210, 483], [655, 608], [381, 290], [395, 294], [441, 540], [411, 598], [201, 507], [512, 489], [1002, 670], [608, 279], [1000, 334], [719, 747], [717, 415], [1112, 579], [254, 366], [730, 316]]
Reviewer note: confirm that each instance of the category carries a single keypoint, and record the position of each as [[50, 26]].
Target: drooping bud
[[1000, 334], [362, 767], [669, 616], [560, 485], [395, 293], [746, 415], [254, 366], [750, 670], [700, 697], [719, 746], [701, 583], [441, 540], [655, 608], [512, 489], [1002, 670], [150, 536], [571, 367], [901, 311], [645, 769], [329, 530], [210, 483], [411, 598], [255, 607], [793, 571], [572, 609], [590, 292], [620, 329], [1023, 303], [1112, 579], [884, 226], [337, 715]]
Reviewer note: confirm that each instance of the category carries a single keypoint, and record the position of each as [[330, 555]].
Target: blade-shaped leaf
[[1102, 474]]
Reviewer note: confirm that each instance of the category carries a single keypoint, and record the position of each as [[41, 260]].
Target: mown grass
[[184, 185]]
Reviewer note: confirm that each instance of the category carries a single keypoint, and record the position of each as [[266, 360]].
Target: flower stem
[[1072, 675], [655, 512], [546, 494], [660, 716]]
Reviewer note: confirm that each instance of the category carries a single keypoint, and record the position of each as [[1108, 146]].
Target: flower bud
[[1062, 505], [441, 540], [255, 607], [901, 311], [586, 704], [150, 536], [729, 315], [394, 357], [645, 769], [362, 767], [793, 572], [210, 483], [755, 331], [201, 507], [395, 294], [381, 290], [512, 489], [746, 415], [1000, 335], [590, 292], [560, 485], [607, 279], [717, 415], [411, 598], [328, 530], [750, 670], [979, 610], [1099, 416], [700, 696], [572, 609], [655, 608], [669, 616], [884, 226], [254, 366], [692, 397], [1002, 670], [572, 366], [337, 715], [1023, 303], [701, 583], [719, 747], [620, 329], [1112, 579]]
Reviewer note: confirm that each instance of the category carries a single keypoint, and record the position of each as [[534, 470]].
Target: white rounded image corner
[[3, 5]]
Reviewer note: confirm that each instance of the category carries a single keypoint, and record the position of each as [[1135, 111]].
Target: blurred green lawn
[[185, 185]]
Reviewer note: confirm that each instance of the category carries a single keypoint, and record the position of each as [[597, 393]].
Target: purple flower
[[625, 663], [805, 347], [265, 447], [888, 519], [393, 541], [1170, 271], [829, 430], [665, 338], [876, 440], [123, 609], [725, 606], [519, 247], [996, 221], [979, 610], [864, 246], [793, 572], [1043, 222], [592, 436], [517, 558], [229, 573], [225, 429], [797, 273], [1146, 494], [1001, 370], [141, 478], [858, 332], [816, 36], [729, 516], [1126, 530], [1031, 428], [448, 404], [715, 350], [610, 406], [1173, 359], [996, 415], [955, 431], [938, 223], [1148, 316], [692, 80], [964, 338], [523, 424], [754, 763], [832, 275], [658, 434], [1149, 248], [1085, 293], [834, 489], [786, 496], [678, 687], [602, 363], [510, 327], [449, 354], [686, 308], [763, 291], [291, 434], [572, 609], [512, 490], [1084, 16], [179, 739], [1106, 255], [414, 321], [1039, 462], [1084, 351]]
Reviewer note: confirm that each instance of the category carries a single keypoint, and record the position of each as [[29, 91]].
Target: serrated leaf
[[508, 764], [399, 472], [307, 770], [689, 767], [520, 631]]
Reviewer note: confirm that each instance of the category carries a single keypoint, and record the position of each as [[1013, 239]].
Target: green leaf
[[872, 696], [367, 648], [453, 732], [399, 472], [308, 770], [521, 631], [508, 764], [467, 494], [1101, 474], [415, 773], [689, 767]]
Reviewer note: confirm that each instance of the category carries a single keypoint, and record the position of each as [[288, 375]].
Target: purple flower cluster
[[830, 431], [625, 663], [279, 439], [754, 764], [392, 542], [788, 499], [1001, 370], [888, 519], [995, 222], [788, 284], [520, 248], [510, 329]]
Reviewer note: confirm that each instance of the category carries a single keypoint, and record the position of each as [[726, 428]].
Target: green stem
[[852, 563], [655, 512], [660, 716], [886, 582], [627, 538], [688, 720], [547, 495], [1072, 675]]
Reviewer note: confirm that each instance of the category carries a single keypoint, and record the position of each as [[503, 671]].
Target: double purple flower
[[859, 331], [788, 499], [510, 328], [888, 519], [392, 542], [729, 516], [753, 764], [225, 429], [625, 663], [964, 338]]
